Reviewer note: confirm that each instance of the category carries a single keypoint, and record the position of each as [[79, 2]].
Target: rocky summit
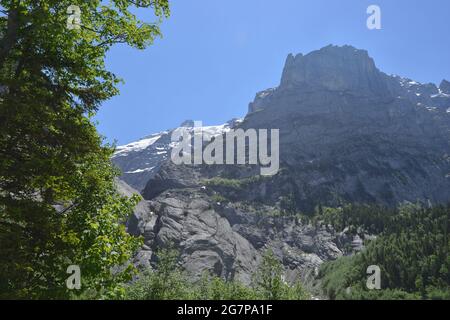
[[349, 133]]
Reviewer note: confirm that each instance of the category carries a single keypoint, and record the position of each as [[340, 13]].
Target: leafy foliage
[[166, 283], [58, 203], [372, 218], [169, 282], [269, 282], [234, 184], [412, 253]]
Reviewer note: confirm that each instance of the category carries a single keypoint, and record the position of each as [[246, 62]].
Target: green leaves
[[58, 202], [412, 253], [168, 282], [269, 282]]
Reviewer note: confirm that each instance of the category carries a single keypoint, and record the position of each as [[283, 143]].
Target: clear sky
[[216, 54]]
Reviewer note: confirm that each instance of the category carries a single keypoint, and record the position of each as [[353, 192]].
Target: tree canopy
[[411, 250], [58, 202]]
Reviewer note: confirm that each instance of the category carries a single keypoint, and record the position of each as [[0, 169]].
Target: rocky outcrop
[[350, 133], [445, 86], [140, 161], [228, 240], [334, 68]]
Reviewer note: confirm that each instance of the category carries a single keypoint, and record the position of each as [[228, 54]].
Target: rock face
[[348, 133], [141, 160], [343, 69], [445, 86], [229, 241]]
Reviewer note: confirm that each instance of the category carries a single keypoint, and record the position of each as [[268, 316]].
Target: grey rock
[[348, 133], [141, 161], [445, 86], [229, 242], [334, 68]]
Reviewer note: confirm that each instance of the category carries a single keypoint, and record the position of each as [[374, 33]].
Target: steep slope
[[381, 139], [141, 160], [348, 133]]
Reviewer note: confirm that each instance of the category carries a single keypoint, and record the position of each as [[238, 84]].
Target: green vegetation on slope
[[169, 282], [412, 253]]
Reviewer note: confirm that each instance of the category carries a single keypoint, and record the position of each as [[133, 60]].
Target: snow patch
[[440, 95], [141, 170], [136, 146]]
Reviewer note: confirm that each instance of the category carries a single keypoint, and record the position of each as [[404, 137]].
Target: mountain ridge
[[384, 141]]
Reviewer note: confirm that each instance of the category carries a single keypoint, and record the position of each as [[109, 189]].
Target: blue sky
[[216, 54]]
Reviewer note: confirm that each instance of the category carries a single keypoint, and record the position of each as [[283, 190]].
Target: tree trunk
[[10, 38]]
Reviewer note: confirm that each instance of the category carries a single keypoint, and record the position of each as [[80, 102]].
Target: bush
[[168, 282]]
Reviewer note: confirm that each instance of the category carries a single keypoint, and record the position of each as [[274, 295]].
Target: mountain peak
[[336, 68], [445, 86], [187, 124]]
